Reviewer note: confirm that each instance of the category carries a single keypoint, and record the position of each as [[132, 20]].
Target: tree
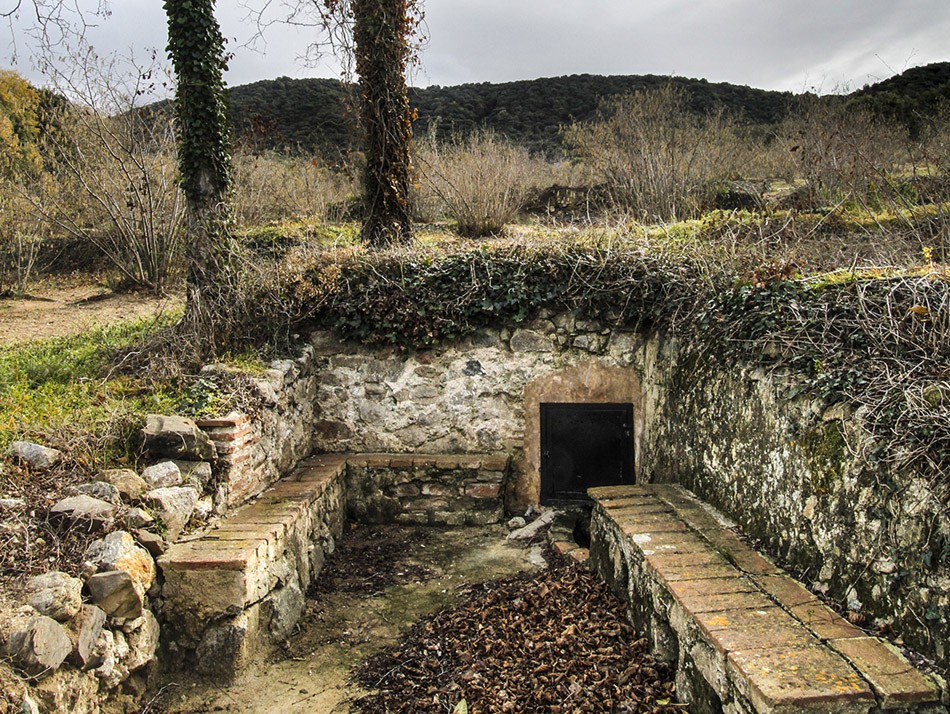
[[381, 35], [381, 30], [196, 48]]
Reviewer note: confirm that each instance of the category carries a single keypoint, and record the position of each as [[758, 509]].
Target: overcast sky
[[771, 44]]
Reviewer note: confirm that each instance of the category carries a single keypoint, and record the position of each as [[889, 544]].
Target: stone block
[[226, 646], [176, 437], [483, 490]]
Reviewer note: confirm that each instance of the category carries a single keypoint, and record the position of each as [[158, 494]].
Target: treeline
[[310, 115]]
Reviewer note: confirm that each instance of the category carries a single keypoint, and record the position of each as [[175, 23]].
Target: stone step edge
[[275, 509], [852, 645]]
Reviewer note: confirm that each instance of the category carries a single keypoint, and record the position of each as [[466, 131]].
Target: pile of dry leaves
[[554, 641]]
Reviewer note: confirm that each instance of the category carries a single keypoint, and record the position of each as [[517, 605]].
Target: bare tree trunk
[[380, 34]]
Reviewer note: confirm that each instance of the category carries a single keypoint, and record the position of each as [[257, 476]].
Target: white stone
[[162, 475]]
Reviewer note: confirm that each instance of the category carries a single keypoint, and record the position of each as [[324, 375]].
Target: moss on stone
[[826, 451]]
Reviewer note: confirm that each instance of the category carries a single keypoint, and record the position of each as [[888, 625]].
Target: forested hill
[[915, 93], [315, 114]]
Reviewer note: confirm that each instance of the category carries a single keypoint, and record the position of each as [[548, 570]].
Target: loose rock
[[173, 506], [195, 473], [129, 484], [177, 437], [84, 510], [137, 518], [152, 542], [40, 647], [118, 551], [41, 458], [115, 593], [91, 621], [162, 475], [102, 490], [55, 594]]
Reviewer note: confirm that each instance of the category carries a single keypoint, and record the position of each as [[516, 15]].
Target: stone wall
[[253, 452], [874, 540], [471, 397], [435, 490]]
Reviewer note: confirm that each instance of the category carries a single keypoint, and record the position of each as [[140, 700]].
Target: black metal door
[[584, 445]]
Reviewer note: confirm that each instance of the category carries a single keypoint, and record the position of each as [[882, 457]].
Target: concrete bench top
[[783, 649]]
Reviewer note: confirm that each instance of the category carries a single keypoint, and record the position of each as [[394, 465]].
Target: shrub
[[655, 157], [111, 176], [480, 181], [269, 187]]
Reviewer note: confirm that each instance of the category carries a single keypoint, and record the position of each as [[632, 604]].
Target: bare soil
[[63, 307]]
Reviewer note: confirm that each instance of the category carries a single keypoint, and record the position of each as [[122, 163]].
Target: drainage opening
[[582, 446]]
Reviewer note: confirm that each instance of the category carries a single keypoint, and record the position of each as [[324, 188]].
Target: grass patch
[[64, 392], [59, 391]]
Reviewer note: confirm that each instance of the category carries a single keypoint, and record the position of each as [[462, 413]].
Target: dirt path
[[357, 617], [56, 310]]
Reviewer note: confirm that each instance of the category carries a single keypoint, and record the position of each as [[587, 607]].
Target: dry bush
[[844, 155], [269, 188], [111, 175], [654, 157], [481, 181]]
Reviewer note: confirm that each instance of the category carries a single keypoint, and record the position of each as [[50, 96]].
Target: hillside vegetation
[[315, 114]]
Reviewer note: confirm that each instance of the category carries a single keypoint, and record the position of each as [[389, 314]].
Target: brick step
[[759, 640]]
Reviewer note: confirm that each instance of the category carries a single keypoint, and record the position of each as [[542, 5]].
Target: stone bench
[[745, 636], [243, 581]]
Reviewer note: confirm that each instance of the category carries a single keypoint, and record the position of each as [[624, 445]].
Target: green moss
[[827, 452]]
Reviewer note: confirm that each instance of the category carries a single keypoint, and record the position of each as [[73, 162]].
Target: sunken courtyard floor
[[418, 620]]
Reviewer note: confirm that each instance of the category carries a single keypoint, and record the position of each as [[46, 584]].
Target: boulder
[[55, 594], [41, 458], [102, 490], [39, 647], [84, 511], [162, 475], [176, 437], [129, 484], [118, 551], [173, 506], [90, 622], [115, 593]]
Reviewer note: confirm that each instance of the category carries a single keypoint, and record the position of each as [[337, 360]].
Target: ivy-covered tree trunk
[[381, 37], [196, 49]]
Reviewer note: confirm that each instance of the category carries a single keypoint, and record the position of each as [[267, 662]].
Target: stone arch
[[588, 382]]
